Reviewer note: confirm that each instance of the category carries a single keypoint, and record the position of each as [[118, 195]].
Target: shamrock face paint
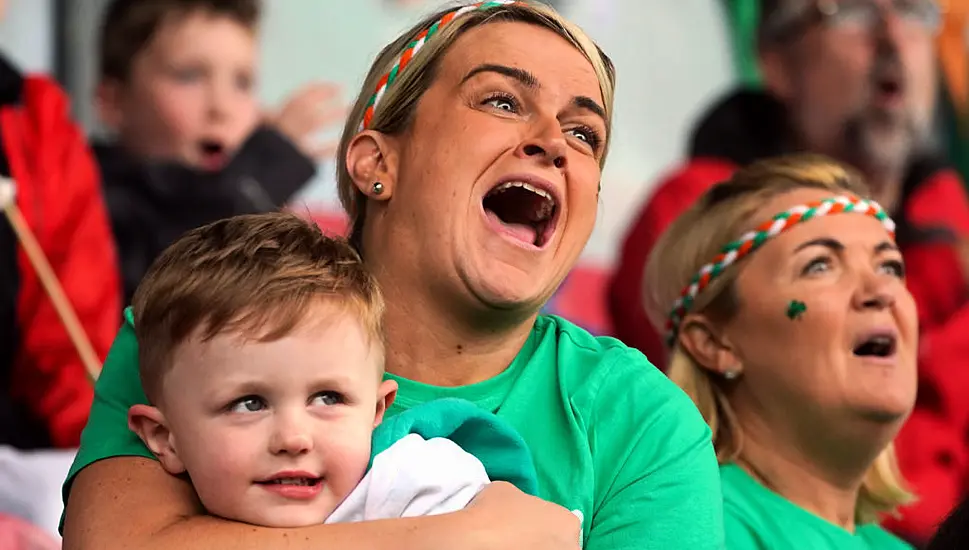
[[795, 309]]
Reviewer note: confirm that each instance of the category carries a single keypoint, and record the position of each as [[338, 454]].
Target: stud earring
[[731, 374], [378, 188]]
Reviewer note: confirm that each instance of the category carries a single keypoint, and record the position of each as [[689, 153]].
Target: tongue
[[522, 232], [213, 161]]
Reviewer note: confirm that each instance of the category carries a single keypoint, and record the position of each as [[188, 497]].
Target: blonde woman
[[782, 294], [470, 168]]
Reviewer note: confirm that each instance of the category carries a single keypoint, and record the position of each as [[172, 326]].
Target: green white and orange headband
[[754, 239], [415, 45]]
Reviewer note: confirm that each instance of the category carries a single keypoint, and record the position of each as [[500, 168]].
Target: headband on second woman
[[754, 239]]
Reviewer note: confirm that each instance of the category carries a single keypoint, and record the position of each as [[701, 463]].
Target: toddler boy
[[261, 354]]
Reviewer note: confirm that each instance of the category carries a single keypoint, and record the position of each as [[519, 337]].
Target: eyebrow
[[886, 246], [529, 81], [589, 104], [837, 246], [523, 77], [826, 242]]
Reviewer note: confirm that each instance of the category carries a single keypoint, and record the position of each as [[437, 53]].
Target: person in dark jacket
[[177, 86], [45, 393], [953, 534], [856, 81]]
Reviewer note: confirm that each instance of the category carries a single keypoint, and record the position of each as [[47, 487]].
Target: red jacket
[[932, 447], [58, 193]]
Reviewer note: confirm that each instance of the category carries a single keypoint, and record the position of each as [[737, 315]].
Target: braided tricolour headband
[[752, 240], [415, 45]]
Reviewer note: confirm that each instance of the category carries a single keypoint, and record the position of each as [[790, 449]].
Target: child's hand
[[515, 520], [309, 111]]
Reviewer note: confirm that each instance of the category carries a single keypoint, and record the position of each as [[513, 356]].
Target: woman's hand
[[513, 519]]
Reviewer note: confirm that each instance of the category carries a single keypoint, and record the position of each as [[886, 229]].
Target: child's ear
[[108, 101], [386, 393], [149, 423]]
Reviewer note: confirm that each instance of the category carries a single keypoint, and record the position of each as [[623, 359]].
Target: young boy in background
[[261, 353], [178, 89]]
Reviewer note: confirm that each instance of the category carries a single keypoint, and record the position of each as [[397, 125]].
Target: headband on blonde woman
[[752, 240], [415, 46]]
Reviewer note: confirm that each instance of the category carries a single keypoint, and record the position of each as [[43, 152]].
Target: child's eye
[[249, 403], [187, 75], [327, 399], [244, 82]]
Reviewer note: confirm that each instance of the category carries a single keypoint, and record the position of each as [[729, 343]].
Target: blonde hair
[[398, 104], [720, 216]]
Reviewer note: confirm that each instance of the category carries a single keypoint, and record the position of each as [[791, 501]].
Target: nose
[[290, 435], [219, 100], [546, 144], [875, 292], [890, 29]]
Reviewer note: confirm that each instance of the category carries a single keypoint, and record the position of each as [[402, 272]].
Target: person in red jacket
[[855, 81], [45, 394]]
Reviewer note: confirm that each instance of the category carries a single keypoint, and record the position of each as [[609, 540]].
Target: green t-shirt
[[756, 518], [610, 435]]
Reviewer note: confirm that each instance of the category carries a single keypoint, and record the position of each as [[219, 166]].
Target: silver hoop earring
[[378, 188]]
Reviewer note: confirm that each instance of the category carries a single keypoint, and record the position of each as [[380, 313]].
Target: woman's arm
[[131, 502]]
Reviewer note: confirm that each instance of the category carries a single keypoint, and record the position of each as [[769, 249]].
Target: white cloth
[[417, 477], [414, 477]]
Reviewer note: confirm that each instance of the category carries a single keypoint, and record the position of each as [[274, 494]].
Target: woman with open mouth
[[470, 168], [782, 294]]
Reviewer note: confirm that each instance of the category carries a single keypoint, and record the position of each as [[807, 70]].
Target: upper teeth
[[540, 192]]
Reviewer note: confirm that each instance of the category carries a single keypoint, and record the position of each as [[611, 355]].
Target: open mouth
[[878, 346], [213, 154], [889, 89], [525, 211]]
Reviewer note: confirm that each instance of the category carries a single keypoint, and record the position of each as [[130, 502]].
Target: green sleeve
[[657, 479], [491, 440], [118, 388]]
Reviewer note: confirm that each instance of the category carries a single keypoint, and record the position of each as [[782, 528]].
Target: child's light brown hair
[[256, 275], [130, 25]]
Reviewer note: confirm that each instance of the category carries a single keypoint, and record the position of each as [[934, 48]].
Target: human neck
[[810, 476], [429, 343]]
